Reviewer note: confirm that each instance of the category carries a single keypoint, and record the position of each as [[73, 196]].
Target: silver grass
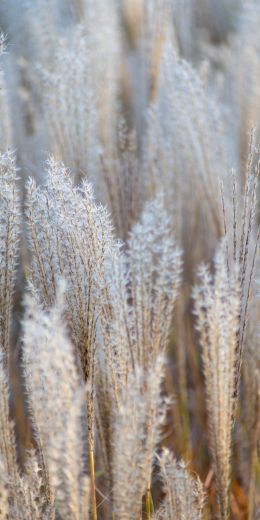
[[79, 235], [251, 397], [183, 153], [120, 183], [135, 437], [154, 263], [5, 124], [8, 444], [246, 99], [147, 24], [114, 356], [86, 136], [184, 494], [142, 286], [44, 28], [70, 107], [242, 233], [146, 280], [251, 380], [80, 107], [35, 506], [217, 303], [9, 241], [21, 497], [56, 385]]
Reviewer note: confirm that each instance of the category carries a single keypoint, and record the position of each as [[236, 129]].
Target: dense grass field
[[129, 260]]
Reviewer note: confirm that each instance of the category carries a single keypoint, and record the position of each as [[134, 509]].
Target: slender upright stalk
[[92, 478], [148, 504]]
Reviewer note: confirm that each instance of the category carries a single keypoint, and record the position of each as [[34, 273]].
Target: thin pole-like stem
[[92, 478], [148, 504]]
